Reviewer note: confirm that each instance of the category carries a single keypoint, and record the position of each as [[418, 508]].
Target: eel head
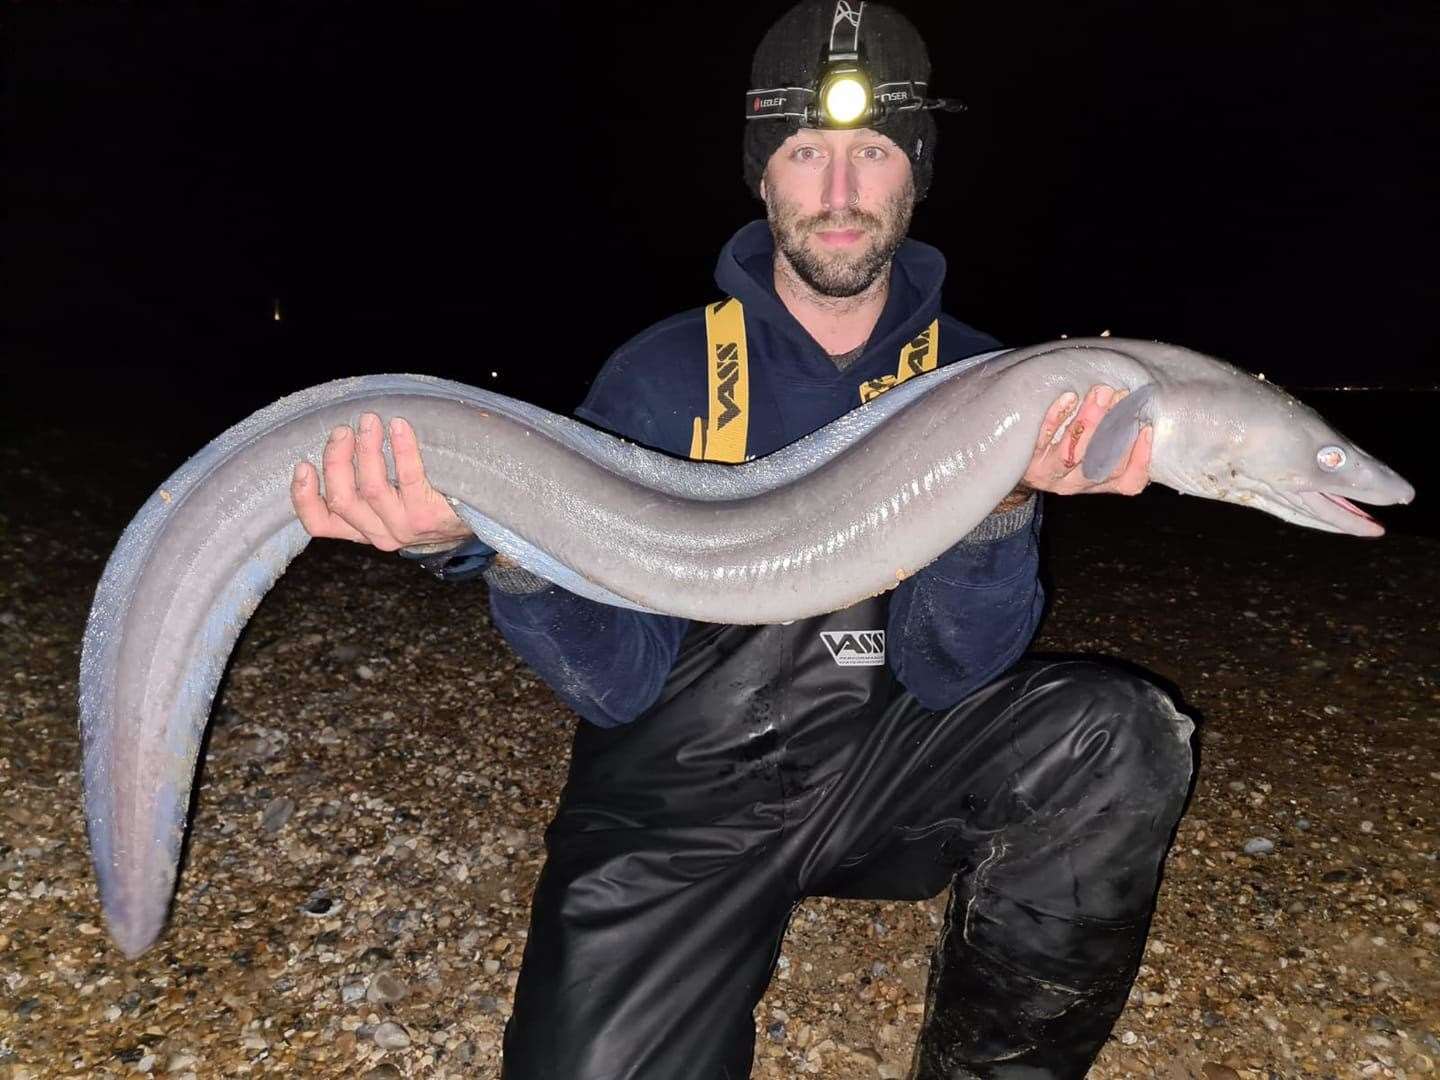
[[1270, 452]]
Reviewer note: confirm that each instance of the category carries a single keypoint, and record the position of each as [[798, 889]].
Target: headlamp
[[843, 96]]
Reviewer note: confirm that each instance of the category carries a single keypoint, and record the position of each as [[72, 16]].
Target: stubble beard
[[841, 273]]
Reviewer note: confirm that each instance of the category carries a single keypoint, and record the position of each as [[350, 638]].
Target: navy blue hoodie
[[950, 627]]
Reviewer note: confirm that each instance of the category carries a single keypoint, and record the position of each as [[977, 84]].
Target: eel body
[[843, 514]]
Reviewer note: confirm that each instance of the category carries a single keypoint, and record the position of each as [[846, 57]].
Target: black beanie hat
[[792, 53]]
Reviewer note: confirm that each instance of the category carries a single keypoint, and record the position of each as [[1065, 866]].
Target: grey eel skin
[[843, 514]]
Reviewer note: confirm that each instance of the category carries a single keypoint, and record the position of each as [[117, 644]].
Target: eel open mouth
[[1338, 514], [1347, 505]]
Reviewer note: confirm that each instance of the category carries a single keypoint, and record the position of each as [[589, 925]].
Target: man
[[725, 772]]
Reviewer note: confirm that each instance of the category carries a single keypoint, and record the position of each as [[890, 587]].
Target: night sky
[[438, 188]]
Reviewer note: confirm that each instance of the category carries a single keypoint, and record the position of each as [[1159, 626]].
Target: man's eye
[[872, 153], [806, 153]]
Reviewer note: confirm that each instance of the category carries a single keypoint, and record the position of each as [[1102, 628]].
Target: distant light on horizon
[[494, 374], [277, 309]]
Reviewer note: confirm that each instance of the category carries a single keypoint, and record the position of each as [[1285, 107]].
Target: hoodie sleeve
[[969, 615], [607, 663]]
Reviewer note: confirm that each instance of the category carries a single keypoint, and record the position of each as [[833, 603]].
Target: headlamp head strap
[[845, 31], [779, 102]]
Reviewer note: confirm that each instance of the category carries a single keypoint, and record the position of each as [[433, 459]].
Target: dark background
[[464, 188]]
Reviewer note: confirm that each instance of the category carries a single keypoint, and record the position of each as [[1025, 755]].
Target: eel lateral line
[[845, 513]]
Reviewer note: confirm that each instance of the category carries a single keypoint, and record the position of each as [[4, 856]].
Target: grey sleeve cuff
[[515, 580], [999, 526]]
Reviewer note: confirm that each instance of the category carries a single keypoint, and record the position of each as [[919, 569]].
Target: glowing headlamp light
[[845, 97]]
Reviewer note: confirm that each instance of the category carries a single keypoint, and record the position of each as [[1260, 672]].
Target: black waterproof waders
[[782, 762]]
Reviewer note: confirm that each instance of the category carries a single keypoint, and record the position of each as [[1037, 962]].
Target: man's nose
[[841, 186]]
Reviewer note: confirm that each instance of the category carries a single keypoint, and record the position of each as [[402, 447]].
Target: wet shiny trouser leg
[[1050, 796], [1047, 922]]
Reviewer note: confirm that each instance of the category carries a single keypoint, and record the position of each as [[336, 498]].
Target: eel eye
[[1330, 458]]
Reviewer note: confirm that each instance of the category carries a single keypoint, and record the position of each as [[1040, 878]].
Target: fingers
[[1055, 464], [342, 497], [377, 493], [428, 511], [409, 468], [1082, 429], [311, 509], [1054, 418], [361, 503], [1047, 468]]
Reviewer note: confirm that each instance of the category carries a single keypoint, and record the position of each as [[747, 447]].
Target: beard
[[846, 272]]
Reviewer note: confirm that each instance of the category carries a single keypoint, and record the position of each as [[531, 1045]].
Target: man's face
[[839, 204]]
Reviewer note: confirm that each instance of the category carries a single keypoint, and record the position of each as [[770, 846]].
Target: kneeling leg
[[1077, 773]]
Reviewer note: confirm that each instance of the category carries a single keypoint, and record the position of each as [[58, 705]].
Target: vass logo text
[[727, 368], [855, 648], [917, 351]]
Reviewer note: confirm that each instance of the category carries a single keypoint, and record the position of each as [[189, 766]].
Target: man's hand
[[1056, 468], [361, 504]]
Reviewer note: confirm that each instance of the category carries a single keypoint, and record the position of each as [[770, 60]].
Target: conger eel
[[838, 516]]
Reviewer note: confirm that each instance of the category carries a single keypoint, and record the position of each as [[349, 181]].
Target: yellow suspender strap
[[722, 436], [917, 356]]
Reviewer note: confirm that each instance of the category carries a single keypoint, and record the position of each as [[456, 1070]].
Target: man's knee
[[1117, 727]]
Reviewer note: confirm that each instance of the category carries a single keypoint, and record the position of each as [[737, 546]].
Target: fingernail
[[299, 475], [1104, 395], [338, 433], [396, 425], [367, 422]]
